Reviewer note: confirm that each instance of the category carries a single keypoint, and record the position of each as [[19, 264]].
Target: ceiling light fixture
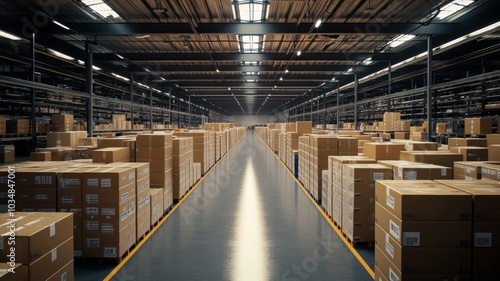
[[281, 78], [61, 55], [143, 36], [286, 70], [229, 88], [299, 52], [217, 70], [60, 24], [120, 57], [9, 36], [318, 23]]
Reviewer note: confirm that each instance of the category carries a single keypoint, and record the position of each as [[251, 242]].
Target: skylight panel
[[103, 9], [453, 7], [401, 39]]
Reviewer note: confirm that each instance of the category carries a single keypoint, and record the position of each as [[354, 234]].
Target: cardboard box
[[7, 153], [478, 126], [50, 263], [444, 128], [302, 127], [36, 178], [19, 272], [37, 234], [469, 170], [490, 171], [88, 141], [382, 151], [62, 122], [420, 171], [457, 142], [440, 158], [67, 139], [18, 126], [472, 153], [492, 139], [494, 152], [40, 156], [66, 273], [423, 201], [402, 135], [111, 155]]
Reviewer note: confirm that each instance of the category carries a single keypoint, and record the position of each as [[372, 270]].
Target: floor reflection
[[250, 259]]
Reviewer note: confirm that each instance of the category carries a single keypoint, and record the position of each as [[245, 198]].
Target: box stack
[[65, 139], [382, 151], [469, 170], [18, 126], [44, 246], [274, 139], [3, 125], [282, 145], [491, 171], [485, 226], [41, 156], [494, 152], [321, 147], [304, 160], [444, 128], [217, 147], [358, 200], [335, 167], [109, 212], [478, 126], [471, 153], [292, 143], [62, 122], [157, 150], [7, 153], [403, 125], [143, 199], [36, 190], [156, 204], [223, 144], [391, 121], [326, 196], [119, 122], [440, 158], [418, 133], [128, 142], [180, 153], [200, 147], [111, 155], [211, 149], [416, 220], [405, 170], [461, 142], [303, 127]]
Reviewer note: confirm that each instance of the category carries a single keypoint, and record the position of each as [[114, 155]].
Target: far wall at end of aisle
[[248, 120]]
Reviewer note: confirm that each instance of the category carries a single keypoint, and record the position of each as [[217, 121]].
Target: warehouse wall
[[248, 120]]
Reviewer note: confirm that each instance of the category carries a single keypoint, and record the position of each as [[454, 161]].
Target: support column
[[90, 88], [150, 107], [324, 109], [312, 106], [189, 110], [429, 86], [170, 107], [389, 86], [356, 86], [132, 100], [33, 94], [338, 103]]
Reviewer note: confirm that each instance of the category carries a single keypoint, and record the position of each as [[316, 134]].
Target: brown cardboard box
[[423, 201], [37, 234], [456, 142], [62, 122], [19, 126], [494, 152], [402, 135], [382, 151], [111, 155], [420, 171], [36, 177], [17, 275], [470, 169], [154, 140], [436, 234], [472, 153], [84, 152], [108, 178], [478, 126], [66, 273], [88, 141], [3, 125], [303, 127], [156, 204], [37, 195], [444, 128], [7, 153], [440, 158], [68, 139], [490, 171], [51, 262], [492, 139], [421, 146], [107, 241], [40, 156]]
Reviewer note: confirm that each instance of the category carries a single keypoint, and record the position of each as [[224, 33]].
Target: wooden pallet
[[359, 244]]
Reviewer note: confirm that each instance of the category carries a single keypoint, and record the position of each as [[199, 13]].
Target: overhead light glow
[[81, 62], [9, 36], [143, 36], [96, 68], [399, 40], [217, 70], [61, 55], [453, 8], [286, 70], [101, 8], [318, 23], [60, 24], [299, 52], [229, 88], [350, 70], [120, 77], [368, 61], [120, 57], [281, 78]]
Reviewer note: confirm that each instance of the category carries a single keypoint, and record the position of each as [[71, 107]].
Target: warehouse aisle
[[248, 220]]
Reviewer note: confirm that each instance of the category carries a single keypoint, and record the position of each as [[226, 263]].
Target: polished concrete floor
[[248, 220]]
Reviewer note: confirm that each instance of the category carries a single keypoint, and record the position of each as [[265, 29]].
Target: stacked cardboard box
[[444, 128], [109, 212], [441, 158], [43, 128], [111, 155], [18, 126], [128, 142], [458, 142], [418, 145], [485, 226], [494, 152], [36, 190], [18, 273], [491, 171], [304, 159], [469, 170], [274, 139], [7, 153], [416, 220], [325, 197], [40, 156], [320, 148], [391, 121], [303, 127], [382, 151], [181, 153], [478, 126], [3, 125], [156, 204], [358, 200], [65, 139], [119, 122], [211, 149], [403, 125], [471, 153], [335, 167], [143, 200], [223, 144], [418, 133], [405, 170], [217, 147], [200, 147], [62, 122], [292, 144], [402, 135], [282, 144], [156, 149], [44, 245]]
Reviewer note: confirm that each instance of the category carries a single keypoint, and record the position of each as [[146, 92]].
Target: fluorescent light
[[60, 24], [485, 29], [453, 8], [120, 77], [281, 78], [103, 9], [120, 57], [9, 36], [147, 70], [217, 70], [368, 61], [401, 39], [286, 70], [299, 52], [229, 88], [143, 36], [318, 23], [61, 55], [350, 70], [96, 68], [163, 79], [81, 62]]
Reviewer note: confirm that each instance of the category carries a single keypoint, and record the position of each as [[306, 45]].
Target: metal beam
[[240, 77], [138, 57], [101, 29], [131, 100], [254, 85], [356, 88], [167, 69]]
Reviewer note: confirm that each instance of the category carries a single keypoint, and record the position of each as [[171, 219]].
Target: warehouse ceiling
[[244, 56]]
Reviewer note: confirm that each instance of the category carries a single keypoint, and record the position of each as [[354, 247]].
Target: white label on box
[[52, 230], [394, 230], [64, 276], [124, 197], [43, 180], [400, 172], [67, 199], [411, 239], [392, 275], [131, 176], [92, 242], [410, 175], [69, 182], [53, 254], [92, 198], [483, 240], [93, 182], [388, 247], [109, 252], [92, 225], [41, 196], [107, 228], [58, 143], [443, 172], [390, 201], [378, 176], [108, 211], [106, 182], [93, 211], [410, 147]]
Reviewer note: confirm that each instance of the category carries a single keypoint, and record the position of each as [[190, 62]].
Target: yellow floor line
[[162, 220], [339, 233]]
